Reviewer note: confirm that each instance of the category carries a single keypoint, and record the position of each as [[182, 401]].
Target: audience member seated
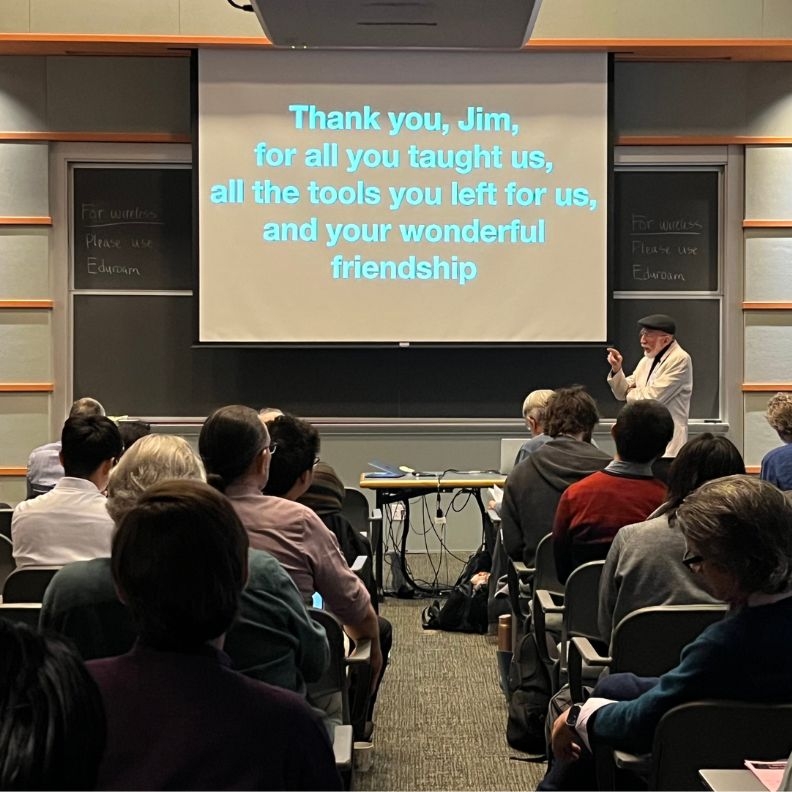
[[535, 486], [777, 464], [44, 468], [52, 724], [325, 495], [738, 540], [132, 431], [178, 716], [592, 510], [236, 449], [291, 473], [534, 409], [273, 638], [644, 564], [71, 522]]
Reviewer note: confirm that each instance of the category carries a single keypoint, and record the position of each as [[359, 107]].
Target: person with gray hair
[[274, 639], [533, 410], [44, 468], [777, 464], [739, 542], [149, 460]]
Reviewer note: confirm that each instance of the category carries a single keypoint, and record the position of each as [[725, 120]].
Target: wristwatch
[[572, 716]]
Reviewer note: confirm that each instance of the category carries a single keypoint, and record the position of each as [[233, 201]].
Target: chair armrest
[[546, 602], [361, 653], [640, 764], [343, 742], [579, 651], [588, 653], [523, 570]]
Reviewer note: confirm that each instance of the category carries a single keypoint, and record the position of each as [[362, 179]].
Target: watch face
[[573, 715]]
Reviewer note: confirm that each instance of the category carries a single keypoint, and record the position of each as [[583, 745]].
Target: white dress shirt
[[69, 523]]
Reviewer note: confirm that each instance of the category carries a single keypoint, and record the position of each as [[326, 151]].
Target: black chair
[[702, 734], [579, 617], [524, 582], [5, 522], [22, 612], [363, 518], [646, 642], [349, 675], [7, 563], [28, 584]]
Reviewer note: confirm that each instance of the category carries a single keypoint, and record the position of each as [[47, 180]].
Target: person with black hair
[[71, 522], [643, 565], [178, 715], [291, 475], [535, 485], [132, 431], [44, 468], [591, 511], [52, 723]]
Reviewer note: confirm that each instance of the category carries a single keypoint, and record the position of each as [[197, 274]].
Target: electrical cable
[[245, 7]]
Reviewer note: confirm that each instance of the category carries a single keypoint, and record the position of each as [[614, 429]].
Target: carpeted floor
[[441, 717]]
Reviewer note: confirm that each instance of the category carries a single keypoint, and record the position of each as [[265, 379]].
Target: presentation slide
[[402, 197]]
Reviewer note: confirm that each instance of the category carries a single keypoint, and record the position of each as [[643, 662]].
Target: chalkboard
[[132, 228], [667, 230], [146, 365], [135, 352]]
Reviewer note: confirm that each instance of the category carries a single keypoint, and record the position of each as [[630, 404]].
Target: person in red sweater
[[592, 510]]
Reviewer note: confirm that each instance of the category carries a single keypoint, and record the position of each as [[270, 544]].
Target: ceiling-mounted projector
[[421, 24]]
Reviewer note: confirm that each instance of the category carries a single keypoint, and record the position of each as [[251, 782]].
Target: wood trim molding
[[766, 387], [767, 223], [701, 140], [26, 221], [27, 304], [97, 137], [13, 471], [625, 49], [26, 387], [754, 470], [767, 306]]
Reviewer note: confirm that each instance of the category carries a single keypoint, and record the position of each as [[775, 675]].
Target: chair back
[[28, 584], [355, 687], [716, 733], [581, 602], [7, 563], [22, 612], [649, 641], [357, 510], [545, 575], [5, 522]]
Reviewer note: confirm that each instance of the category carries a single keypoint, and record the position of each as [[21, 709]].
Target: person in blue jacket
[[738, 534]]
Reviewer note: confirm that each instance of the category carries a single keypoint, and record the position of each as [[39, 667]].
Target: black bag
[[529, 680], [465, 610]]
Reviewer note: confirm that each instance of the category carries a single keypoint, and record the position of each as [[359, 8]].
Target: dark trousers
[[582, 773]]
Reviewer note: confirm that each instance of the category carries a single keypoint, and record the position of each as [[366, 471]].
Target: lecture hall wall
[[741, 110]]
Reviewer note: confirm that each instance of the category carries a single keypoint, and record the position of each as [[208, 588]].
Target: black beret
[[662, 322]]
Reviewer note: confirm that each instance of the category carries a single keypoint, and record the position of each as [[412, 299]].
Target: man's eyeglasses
[[690, 560], [316, 461], [272, 448]]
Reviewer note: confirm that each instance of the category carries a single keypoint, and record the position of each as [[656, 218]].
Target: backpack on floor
[[530, 684], [465, 610]]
